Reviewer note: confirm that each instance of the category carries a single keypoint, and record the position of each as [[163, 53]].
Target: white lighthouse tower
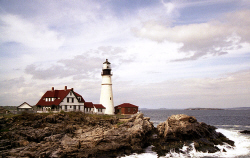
[[106, 98]]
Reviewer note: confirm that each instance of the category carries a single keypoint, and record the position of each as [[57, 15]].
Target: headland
[[75, 134]]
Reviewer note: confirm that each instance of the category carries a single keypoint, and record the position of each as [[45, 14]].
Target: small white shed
[[24, 107]]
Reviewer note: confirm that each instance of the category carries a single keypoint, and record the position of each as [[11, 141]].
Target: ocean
[[228, 122]]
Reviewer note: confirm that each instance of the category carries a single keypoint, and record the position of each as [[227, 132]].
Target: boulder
[[131, 136], [245, 132], [179, 130]]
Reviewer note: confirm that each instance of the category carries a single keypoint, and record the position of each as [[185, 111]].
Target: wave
[[233, 126], [241, 149], [242, 143]]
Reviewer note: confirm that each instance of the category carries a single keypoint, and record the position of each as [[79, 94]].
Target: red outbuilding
[[126, 108]]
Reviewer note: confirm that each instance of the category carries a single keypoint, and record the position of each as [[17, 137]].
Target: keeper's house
[[66, 100], [126, 108]]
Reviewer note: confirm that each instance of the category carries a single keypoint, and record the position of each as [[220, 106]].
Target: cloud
[[79, 67], [84, 66], [55, 71], [169, 6], [211, 38], [13, 28], [65, 43], [231, 90], [14, 90]]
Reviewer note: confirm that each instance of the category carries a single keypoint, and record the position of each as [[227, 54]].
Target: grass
[[122, 116], [9, 108], [104, 117], [71, 115], [8, 115], [120, 123]]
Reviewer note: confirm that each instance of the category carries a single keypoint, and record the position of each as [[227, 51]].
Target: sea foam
[[241, 149]]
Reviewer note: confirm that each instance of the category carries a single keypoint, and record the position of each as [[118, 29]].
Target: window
[[70, 93], [70, 100], [99, 110], [128, 109], [110, 98], [70, 106]]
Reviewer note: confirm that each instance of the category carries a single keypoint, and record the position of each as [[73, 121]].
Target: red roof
[[127, 105], [99, 106], [78, 95], [59, 95], [88, 105]]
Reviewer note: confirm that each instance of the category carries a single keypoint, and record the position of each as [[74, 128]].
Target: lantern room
[[106, 69]]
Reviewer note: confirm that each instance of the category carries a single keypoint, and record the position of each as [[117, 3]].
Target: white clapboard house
[[63, 100]]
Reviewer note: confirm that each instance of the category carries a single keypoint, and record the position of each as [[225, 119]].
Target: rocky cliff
[[75, 134], [72, 135]]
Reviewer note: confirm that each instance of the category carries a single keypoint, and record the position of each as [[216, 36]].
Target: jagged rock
[[73, 135], [245, 132], [80, 135], [182, 129]]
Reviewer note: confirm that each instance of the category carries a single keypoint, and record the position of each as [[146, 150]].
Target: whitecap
[[242, 143], [241, 149]]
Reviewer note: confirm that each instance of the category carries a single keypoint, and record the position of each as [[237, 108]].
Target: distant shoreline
[[185, 109], [235, 108], [204, 109]]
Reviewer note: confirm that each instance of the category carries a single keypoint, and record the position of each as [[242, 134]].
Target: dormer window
[[49, 99]]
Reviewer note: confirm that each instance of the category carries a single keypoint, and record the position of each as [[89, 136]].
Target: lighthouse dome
[[106, 69], [106, 65]]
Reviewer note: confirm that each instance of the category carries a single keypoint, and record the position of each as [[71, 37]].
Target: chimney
[[72, 89], [65, 88], [52, 89]]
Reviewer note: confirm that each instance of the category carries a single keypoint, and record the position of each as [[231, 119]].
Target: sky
[[171, 54]]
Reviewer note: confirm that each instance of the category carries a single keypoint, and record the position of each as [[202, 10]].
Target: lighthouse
[[106, 98]]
